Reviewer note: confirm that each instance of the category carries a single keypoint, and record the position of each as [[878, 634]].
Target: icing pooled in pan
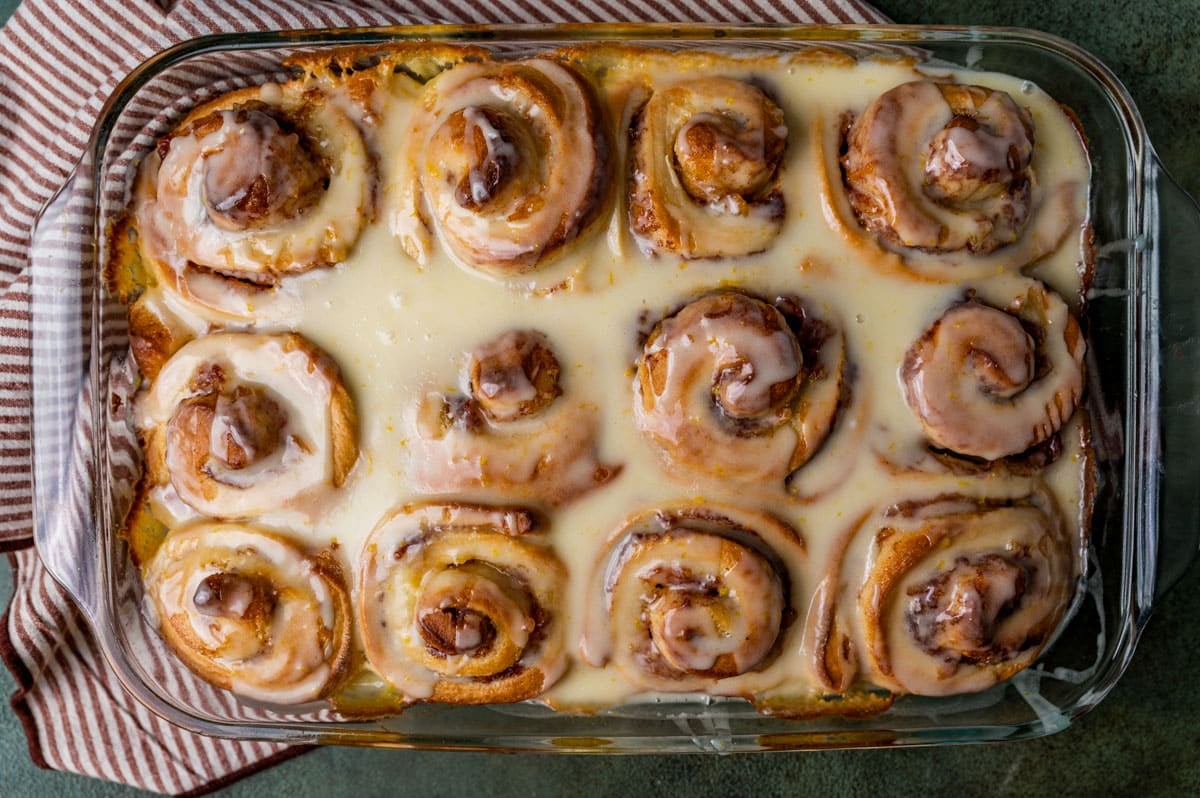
[[612, 373]]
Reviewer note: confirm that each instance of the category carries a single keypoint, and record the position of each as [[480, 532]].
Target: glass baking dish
[[1144, 372]]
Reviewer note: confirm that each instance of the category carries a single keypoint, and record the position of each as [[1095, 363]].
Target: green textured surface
[[1144, 739]]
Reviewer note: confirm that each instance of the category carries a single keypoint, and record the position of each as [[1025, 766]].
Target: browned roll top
[[513, 432], [734, 387], [942, 166], [706, 159], [692, 597], [990, 382]]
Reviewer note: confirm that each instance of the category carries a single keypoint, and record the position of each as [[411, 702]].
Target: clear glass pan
[[1144, 364]]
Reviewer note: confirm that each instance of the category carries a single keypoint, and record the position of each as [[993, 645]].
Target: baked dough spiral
[[512, 432], [242, 424], [961, 593], [507, 161], [690, 598], [249, 611], [706, 157], [462, 604], [942, 166], [990, 382], [736, 388], [260, 185]]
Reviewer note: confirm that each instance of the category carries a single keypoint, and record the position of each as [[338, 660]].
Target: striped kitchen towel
[[61, 60]]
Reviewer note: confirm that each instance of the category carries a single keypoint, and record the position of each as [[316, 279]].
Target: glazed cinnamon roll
[[512, 432], [942, 166], [462, 604], [242, 424], [249, 611], [256, 187], [988, 381], [706, 156], [506, 161], [693, 597], [962, 593], [736, 388]]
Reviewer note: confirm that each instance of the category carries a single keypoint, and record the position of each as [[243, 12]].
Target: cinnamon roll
[[511, 432], [706, 156], [991, 381], [735, 388], [942, 166], [690, 598], [506, 161], [962, 593], [254, 188], [242, 424], [249, 611], [462, 604]]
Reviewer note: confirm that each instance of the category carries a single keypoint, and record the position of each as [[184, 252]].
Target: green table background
[[1145, 737]]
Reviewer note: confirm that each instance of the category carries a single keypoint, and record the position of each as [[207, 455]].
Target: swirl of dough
[[942, 166], [990, 382], [706, 161], [512, 432], [691, 599], [249, 611], [459, 604], [257, 186], [510, 160], [242, 424], [736, 388], [961, 594]]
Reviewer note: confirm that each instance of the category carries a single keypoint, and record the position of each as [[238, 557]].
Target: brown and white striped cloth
[[61, 60]]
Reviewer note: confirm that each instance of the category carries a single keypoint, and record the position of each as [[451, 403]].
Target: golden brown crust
[[240, 610], [960, 594], [738, 388], [691, 598], [618, 79], [507, 161], [219, 407], [705, 169], [460, 603]]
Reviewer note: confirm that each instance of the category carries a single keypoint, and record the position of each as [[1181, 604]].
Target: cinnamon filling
[[722, 156], [969, 162], [247, 606], [474, 619], [958, 614], [262, 174], [481, 151], [514, 375], [235, 428], [456, 630], [716, 618]]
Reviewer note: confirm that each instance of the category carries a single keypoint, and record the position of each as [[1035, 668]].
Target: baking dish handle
[[61, 275], [1175, 262]]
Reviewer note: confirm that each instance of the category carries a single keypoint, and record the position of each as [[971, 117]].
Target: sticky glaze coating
[[512, 432], [254, 188], [991, 382], [250, 611], [961, 595], [690, 599], [511, 161], [477, 386], [461, 603], [706, 156], [733, 386], [942, 166], [241, 424]]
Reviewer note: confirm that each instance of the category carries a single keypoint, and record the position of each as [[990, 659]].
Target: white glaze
[[414, 323]]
